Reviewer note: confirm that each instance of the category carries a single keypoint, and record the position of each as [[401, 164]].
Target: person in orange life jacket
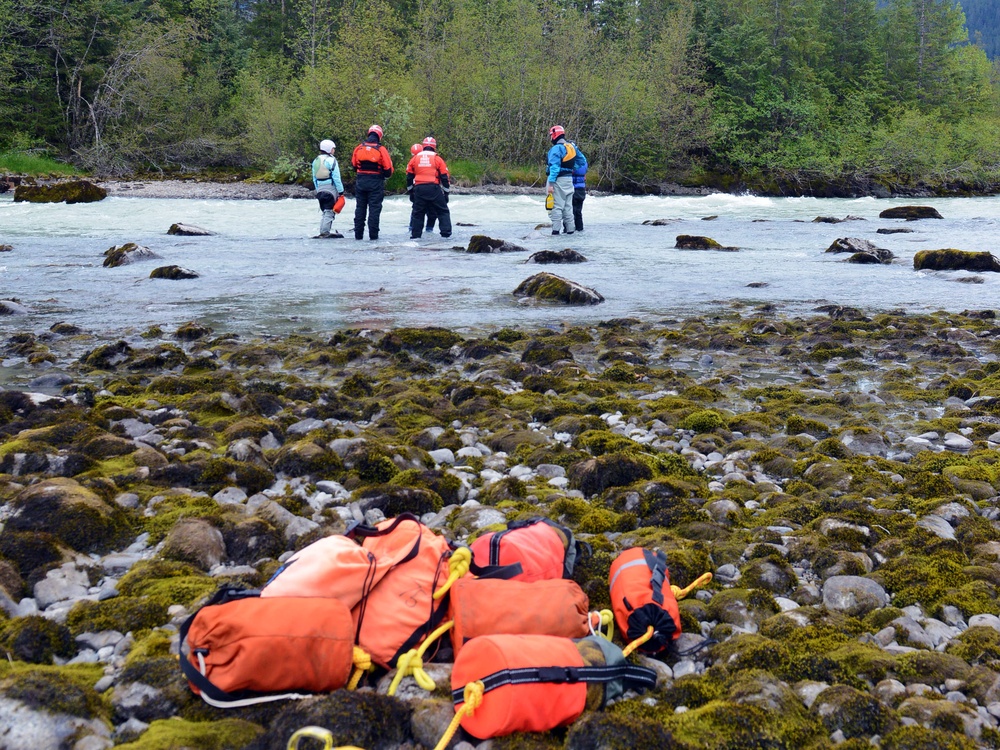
[[415, 149], [579, 188], [560, 160], [328, 186], [427, 181], [373, 165]]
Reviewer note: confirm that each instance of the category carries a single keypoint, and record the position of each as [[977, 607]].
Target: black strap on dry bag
[[632, 677]]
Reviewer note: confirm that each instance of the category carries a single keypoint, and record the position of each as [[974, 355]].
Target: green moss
[[723, 725], [166, 582], [221, 472], [599, 442], [599, 520], [123, 613], [169, 734], [54, 690], [744, 652], [705, 420], [175, 507], [35, 639], [921, 738]]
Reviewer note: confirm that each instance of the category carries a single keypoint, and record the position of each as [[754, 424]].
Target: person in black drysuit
[[373, 165]]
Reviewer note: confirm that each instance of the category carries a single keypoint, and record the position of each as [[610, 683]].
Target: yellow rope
[[362, 663], [701, 580], [638, 641], [317, 733], [605, 624], [412, 662], [473, 697], [458, 566]]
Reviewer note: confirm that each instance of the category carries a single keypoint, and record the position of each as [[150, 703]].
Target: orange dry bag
[[534, 683], [338, 205], [400, 610], [336, 567], [240, 649], [544, 549], [644, 602], [485, 606]]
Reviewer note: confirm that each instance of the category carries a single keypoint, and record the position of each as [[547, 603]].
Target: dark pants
[[579, 194], [428, 198], [369, 190], [431, 217]]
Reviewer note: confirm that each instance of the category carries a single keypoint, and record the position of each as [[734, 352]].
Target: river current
[[262, 272]]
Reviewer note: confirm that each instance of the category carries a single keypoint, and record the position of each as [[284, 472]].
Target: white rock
[[230, 496], [62, 584], [959, 443], [550, 471], [560, 482], [989, 621], [808, 690], [937, 526], [469, 452], [786, 604], [684, 667], [442, 456]]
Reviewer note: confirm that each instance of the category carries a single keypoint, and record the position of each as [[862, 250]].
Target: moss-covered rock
[[595, 475], [173, 273], [603, 731], [853, 712], [123, 613], [922, 738], [35, 639], [170, 734], [911, 213], [127, 254], [71, 191], [696, 242], [955, 260], [548, 287]]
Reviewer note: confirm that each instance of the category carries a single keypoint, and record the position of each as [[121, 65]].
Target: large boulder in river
[[124, 255], [879, 255], [851, 245], [556, 256], [955, 260], [173, 273], [188, 230], [694, 242], [911, 213], [480, 243], [71, 513], [12, 307], [552, 288], [74, 191]]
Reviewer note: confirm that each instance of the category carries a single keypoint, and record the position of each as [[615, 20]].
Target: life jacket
[[534, 683], [568, 161], [321, 170], [544, 549], [644, 602], [400, 611], [371, 159], [580, 169], [486, 606], [240, 649], [427, 168]]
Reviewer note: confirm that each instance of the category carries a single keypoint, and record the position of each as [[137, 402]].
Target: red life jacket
[[427, 168], [372, 159]]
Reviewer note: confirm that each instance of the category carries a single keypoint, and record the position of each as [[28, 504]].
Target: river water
[[261, 272]]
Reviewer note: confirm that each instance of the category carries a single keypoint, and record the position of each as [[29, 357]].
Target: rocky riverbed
[[837, 472]]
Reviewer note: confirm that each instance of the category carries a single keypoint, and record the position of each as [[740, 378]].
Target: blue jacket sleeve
[[556, 154], [335, 174]]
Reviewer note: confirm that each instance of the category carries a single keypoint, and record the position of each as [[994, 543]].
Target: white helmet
[[327, 146]]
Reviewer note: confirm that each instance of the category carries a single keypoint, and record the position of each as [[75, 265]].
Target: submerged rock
[[480, 243], [188, 230], [124, 255], [658, 222], [557, 256], [6, 248], [695, 242], [552, 288], [12, 307], [911, 213], [897, 230], [955, 260], [881, 255], [75, 191], [173, 273], [852, 245], [835, 220]]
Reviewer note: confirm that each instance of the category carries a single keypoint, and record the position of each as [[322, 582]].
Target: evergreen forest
[[775, 95]]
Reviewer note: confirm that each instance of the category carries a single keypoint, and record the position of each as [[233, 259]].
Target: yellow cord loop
[[602, 623], [638, 641], [412, 662], [362, 663], [458, 566], [473, 697], [701, 580], [317, 733]]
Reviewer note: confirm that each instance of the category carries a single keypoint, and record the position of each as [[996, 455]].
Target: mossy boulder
[[480, 243], [745, 608], [191, 331], [122, 613], [696, 242], [725, 725], [911, 213], [704, 420], [188, 230], [62, 690], [35, 639], [31, 553], [595, 475], [548, 287], [73, 514], [955, 260], [922, 738], [604, 731], [362, 719], [173, 733], [72, 191], [127, 254], [556, 256], [306, 457], [173, 273], [853, 712], [195, 541], [393, 500], [853, 245]]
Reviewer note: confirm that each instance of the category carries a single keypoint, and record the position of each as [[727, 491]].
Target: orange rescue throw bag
[[534, 683], [335, 566], [544, 549], [240, 649], [338, 205], [642, 598], [488, 606]]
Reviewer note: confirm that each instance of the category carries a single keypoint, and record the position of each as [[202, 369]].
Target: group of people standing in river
[[428, 185]]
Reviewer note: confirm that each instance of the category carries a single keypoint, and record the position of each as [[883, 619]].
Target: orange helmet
[[416, 148], [429, 141], [555, 131], [376, 130]]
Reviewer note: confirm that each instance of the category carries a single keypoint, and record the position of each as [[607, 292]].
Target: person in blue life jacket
[[328, 186], [561, 158], [579, 187]]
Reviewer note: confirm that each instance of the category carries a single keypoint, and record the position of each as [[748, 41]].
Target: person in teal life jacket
[[328, 186], [561, 158], [579, 187]]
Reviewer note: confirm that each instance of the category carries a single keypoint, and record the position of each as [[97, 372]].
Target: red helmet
[[376, 130], [416, 148], [429, 141], [555, 131]]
